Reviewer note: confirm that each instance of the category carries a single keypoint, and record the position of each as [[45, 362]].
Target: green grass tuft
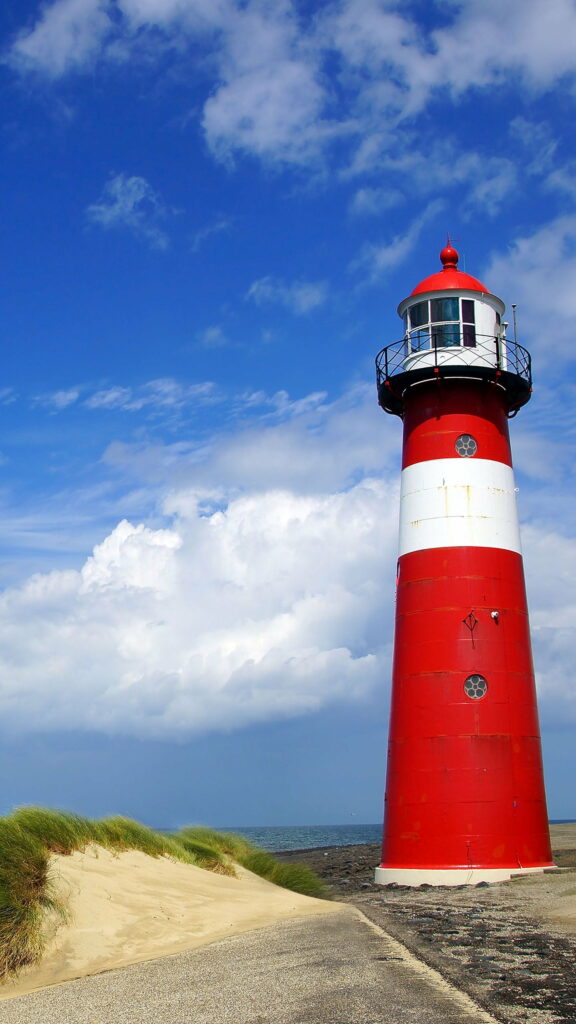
[[25, 896], [206, 856], [120, 833], [227, 842], [297, 877], [58, 831]]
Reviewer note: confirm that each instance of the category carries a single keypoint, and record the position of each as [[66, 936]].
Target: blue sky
[[210, 210]]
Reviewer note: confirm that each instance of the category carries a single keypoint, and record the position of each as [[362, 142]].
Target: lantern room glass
[[446, 322]]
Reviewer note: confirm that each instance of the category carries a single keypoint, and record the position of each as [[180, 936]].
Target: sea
[[306, 837]]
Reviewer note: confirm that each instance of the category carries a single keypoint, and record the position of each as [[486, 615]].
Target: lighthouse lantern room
[[465, 797]]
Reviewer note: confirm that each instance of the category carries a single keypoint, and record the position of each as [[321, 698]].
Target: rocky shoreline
[[511, 946]]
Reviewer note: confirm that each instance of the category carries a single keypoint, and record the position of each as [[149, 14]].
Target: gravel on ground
[[508, 945]]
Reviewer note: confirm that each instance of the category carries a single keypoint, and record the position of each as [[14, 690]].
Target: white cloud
[[130, 203], [284, 86], [488, 41], [418, 166], [213, 337], [266, 592], [375, 260], [213, 623], [62, 399], [165, 393], [537, 140], [370, 201], [271, 111], [483, 45], [269, 99], [538, 273], [551, 563], [563, 179], [217, 227], [67, 36], [110, 398], [199, 15], [298, 296], [283, 446]]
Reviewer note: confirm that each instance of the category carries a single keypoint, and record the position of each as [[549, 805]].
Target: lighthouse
[[465, 798]]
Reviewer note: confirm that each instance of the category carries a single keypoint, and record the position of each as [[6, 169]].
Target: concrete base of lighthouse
[[451, 876]]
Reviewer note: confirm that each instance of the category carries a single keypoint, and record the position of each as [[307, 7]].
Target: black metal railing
[[428, 356]]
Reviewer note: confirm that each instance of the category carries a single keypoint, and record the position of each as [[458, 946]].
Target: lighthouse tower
[[465, 797]]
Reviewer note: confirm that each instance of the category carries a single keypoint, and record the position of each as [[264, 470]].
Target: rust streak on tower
[[465, 797]]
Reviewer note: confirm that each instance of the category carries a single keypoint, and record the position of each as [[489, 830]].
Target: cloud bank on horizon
[[243, 531], [262, 598], [266, 594]]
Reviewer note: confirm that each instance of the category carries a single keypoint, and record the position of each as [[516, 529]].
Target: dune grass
[[25, 896], [297, 877], [31, 834], [56, 831]]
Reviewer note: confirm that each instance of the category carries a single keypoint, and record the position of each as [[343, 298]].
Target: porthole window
[[475, 686], [466, 446]]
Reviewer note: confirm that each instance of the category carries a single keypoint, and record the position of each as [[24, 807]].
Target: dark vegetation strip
[[31, 834]]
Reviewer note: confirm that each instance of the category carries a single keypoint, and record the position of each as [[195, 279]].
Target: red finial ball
[[449, 257]]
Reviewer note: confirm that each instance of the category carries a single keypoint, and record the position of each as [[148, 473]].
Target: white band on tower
[[458, 502]]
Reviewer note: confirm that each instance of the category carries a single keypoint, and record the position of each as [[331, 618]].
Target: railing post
[[498, 357]]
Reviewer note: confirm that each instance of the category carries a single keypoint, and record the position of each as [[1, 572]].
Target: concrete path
[[334, 969]]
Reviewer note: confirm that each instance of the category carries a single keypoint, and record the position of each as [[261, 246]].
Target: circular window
[[466, 446], [475, 686]]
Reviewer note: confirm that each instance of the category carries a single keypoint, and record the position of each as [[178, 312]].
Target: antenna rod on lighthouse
[[515, 325]]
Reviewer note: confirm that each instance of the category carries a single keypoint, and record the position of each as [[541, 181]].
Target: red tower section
[[465, 797]]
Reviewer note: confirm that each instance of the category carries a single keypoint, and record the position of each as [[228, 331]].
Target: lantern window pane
[[469, 335], [444, 309], [468, 311], [420, 340], [419, 314], [446, 335]]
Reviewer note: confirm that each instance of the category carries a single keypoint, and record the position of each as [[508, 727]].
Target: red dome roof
[[450, 277]]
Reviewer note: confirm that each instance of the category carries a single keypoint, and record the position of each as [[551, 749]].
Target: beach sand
[[128, 907]]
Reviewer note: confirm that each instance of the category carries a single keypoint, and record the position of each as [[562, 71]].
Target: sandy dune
[[125, 908]]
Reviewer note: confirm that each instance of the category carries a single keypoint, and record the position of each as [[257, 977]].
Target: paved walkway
[[334, 969]]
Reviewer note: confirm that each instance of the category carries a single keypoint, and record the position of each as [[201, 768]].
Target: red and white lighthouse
[[465, 797]]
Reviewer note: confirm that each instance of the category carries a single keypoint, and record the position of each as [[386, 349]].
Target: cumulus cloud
[[272, 109], [213, 623], [298, 296], [130, 203], [261, 594], [262, 589], [553, 616]]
